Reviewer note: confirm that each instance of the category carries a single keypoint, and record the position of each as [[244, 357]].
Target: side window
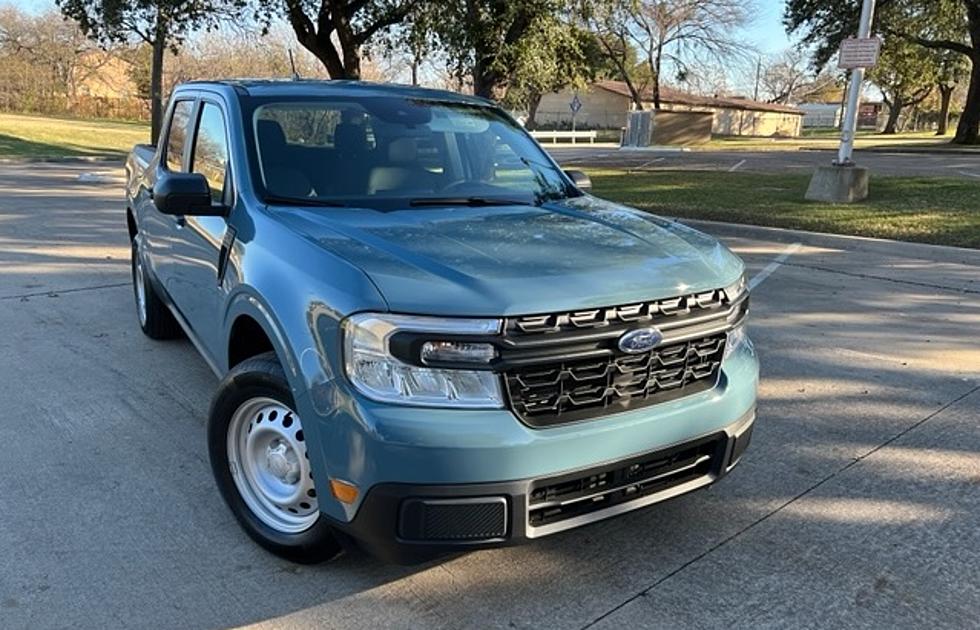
[[177, 136], [211, 149]]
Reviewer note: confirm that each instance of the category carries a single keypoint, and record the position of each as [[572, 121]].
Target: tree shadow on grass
[[14, 147]]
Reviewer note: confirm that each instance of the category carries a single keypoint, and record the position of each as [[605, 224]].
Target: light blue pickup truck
[[430, 338]]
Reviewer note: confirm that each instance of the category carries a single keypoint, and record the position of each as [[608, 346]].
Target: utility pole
[[843, 181], [758, 77]]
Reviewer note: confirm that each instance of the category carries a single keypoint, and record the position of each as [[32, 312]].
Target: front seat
[[403, 172], [351, 156], [276, 159]]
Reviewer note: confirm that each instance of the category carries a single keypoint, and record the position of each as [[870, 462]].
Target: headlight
[[380, 376], [736, 289]]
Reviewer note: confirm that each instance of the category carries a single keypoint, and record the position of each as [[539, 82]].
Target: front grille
[[573, 390], [570, 496], [565, 367]]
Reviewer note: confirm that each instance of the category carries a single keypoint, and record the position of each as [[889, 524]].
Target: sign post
[[574, 105], [856, 55], [843, 181]]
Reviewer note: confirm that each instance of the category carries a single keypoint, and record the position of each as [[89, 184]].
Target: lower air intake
[[453, 519]]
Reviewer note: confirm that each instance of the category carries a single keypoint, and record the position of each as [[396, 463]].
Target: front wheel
[[260, 462]]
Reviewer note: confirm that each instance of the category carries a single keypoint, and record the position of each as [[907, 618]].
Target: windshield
[[376, 151]]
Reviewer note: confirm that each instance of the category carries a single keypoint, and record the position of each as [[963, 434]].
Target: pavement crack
[[52, 292], [646, 591], [868, 276]]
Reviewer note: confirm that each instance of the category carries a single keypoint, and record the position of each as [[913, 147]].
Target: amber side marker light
[[343, 491]]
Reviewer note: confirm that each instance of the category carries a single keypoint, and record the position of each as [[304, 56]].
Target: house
[[605, 104], [821, 115]]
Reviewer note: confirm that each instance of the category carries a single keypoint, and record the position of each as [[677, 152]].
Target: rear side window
[[211, 149], [177, 136]]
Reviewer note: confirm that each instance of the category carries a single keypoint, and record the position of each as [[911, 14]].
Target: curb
[[927, 251]]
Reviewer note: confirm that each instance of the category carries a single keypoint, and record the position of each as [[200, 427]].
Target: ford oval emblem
[[640, 340]]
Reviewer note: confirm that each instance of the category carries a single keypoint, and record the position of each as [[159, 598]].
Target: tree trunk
[[658, 62], [894, 111], [945, 97], [968, 130], [532, 112], [156, 85], [487, 83]]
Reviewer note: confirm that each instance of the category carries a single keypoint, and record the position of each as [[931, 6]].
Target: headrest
[[403, 151], [350, 138], [271, 135]]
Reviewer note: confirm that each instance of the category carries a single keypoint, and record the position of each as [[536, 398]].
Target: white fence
[[566, 136]]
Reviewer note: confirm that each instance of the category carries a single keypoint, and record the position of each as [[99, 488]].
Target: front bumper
[[407, 523]]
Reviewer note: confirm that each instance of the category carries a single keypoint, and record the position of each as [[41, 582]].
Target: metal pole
[[846, 152]]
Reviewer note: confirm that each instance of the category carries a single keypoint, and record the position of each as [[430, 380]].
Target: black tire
[[157, 322], [260, 377]]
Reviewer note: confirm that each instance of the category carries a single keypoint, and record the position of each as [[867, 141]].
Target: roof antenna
[[292, 64]]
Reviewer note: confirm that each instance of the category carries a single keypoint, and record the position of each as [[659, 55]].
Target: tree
[[550, 60], [610, 21], [953, 69], [687, 33], [161, 24], [489, 40], [336, 31], [952, 25], [789, 78], [905, 75]]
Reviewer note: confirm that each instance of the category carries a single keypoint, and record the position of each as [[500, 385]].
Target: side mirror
[[184, 194], [580, 179]]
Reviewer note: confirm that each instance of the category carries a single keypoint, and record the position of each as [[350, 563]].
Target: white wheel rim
[[140, 282], [269, 463]]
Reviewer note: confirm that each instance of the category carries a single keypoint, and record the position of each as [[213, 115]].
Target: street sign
[[575, 105], [859, 52]]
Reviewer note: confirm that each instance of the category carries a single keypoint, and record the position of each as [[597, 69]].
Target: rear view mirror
[[580, 179], [184, 194]]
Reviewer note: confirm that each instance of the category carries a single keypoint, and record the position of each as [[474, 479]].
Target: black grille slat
[[564, 367]]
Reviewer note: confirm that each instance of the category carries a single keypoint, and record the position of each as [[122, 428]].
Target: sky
[[766, 32]]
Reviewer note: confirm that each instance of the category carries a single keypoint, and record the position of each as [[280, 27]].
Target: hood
[[516, 260]]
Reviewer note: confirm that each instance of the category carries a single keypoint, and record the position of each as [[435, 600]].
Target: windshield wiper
[[468, 201], [303, 201]]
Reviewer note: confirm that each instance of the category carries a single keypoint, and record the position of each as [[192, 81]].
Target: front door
[[194, 282]]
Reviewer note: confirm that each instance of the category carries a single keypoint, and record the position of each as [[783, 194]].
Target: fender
[[246, 301]]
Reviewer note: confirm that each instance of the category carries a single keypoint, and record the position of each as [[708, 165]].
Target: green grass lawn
[[943, 211], [27, 136]]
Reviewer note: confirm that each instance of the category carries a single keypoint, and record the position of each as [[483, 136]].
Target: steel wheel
[[139, 282], [269, 464]]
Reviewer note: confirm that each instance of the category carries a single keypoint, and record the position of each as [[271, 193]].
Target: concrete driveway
[[858, 504], [802, 162]]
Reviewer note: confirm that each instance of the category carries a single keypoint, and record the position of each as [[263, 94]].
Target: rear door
[[195, 283]]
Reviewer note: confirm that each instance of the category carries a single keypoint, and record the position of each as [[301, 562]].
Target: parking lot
[[936, 164], [857, 505]]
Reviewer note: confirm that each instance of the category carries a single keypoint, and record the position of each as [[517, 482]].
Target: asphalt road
[[858, 504], [924, 164]]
